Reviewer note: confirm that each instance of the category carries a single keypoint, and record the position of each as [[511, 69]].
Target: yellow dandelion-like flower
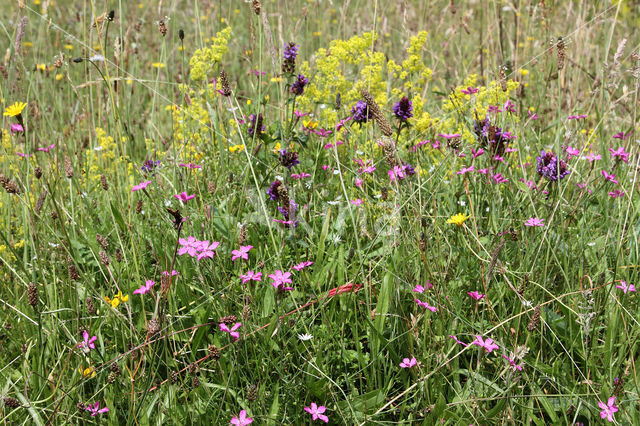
[[15, 109], [458, 219]]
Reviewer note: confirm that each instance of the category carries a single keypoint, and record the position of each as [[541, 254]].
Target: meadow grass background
[[112, 103]]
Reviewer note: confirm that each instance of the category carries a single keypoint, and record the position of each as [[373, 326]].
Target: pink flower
[[499, 158], [620, 152], [300, 266], [300, 175], [488, 344], [418, 288], [251, 276], [494, 109], [190, 166], [48, 148], [184, 197], [465, 170], [499, 178], [621, 135], [145, 287], [300, 114], [449, 135], [610, 177], [396, 173], [478, 153], [608, 409], [617, 193], [408, 363], [316, 412], [280, 279], [425, 305], [173, 273], [16, 128], [626, 287], [576, 117], [469, 90], [95, 409], [242, 419], [508, 106], [356, 202], [534, 221], [513, 363], [232, 331], [573, 152], [359, 182], [483, 171], [530, 184], [207, 250], [243, 253], [141, 185], [475, 295], [532, 115], [593, 157], [189, 246], [88, 343]]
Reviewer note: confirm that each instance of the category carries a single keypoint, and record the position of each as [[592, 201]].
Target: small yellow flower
[[236, 148], [27, 44], [88, 372], [15, 109], [121, 297], [458, 219], [59, 77], [310, 124], [277, 148], [158, 65], [68, 46], [524, 72]]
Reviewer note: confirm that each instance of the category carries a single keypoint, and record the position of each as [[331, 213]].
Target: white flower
[[305, 337], [97, 58]]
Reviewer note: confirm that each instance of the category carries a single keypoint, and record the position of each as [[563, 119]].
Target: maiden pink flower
[[532, 115], [615, 194], [190, 165], [488, 344], [232, 331], [241, 253], [173, 273], [95, 409], [425, 305], [513, 363], [592, 157], [47, 148], [141, 185], [469, 90], [189, 246], [300, 266], [145, 287], [608, 409], [207, 250], [356, 202], [280, 279], [184, 197], [408, 363], [475, 295], [534, 221], [242, 419], [478, 153], [465, 170], [418, 288], [573, 152], [576, 117], [88, 343], [621, 135], [316, 412], [620, 152], [449, 135], [16, 128], [609, 176], [251, 276], [626, 287]]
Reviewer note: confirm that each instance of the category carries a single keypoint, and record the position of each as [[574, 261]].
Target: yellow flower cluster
[[204, 60], [191, 124], [116, 299]]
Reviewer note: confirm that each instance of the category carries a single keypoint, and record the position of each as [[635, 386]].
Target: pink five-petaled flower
[[184, 197], [488, 344], [95, 409], [408, 363], [621, 135], [418, 288], [609, 176], [357, 202], [190, 165], [615, 194], [145, 287], [232, 331], [189, 246], [576, 117], [532, 115], [173, 273], [469, 90], [88, 343], [592, 157], [534, 221], [250, 275], [425, 305], [449, 135], [316, 412], [626, 287], [242, 252], [242, 419], [620, 152], [573, 152], [280, 279], [608, 409], [478, 153], [465, 170], [48, 148], [207, 250], [300, 266], [475, 295], [141, 185]]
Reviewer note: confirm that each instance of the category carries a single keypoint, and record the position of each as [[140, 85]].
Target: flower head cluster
[[95, 409], [196, 248], [149, 166], [290, 54], [297, 88], [116, 299], [491, 137], [403, 110], [255, 125], [145, 287], [360, 113], [551, 166], [288, 159], [280, 279]]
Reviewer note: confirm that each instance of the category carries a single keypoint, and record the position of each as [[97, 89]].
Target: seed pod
[[162, 27], [228, 320], [11, 402], [32, 295], [214, 352], [181, 34], [256, 7], [102, 241], [224, 83], [153, 327], [38, 172], [111, 15], [90, 307], [535, 320], [68, 168], [104, 258]]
